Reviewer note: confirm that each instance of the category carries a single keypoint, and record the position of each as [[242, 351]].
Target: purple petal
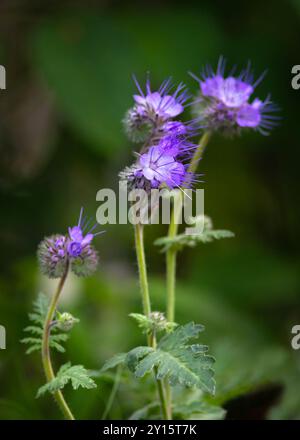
[[75, 233], [234, 92], [249, 115]]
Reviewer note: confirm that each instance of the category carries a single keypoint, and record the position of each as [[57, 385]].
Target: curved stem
[[46, 358], [151, 339], [171, 255]]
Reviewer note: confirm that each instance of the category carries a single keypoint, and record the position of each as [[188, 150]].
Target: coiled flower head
[[52, 256], [86, 263], [75, 249], [224, 102]]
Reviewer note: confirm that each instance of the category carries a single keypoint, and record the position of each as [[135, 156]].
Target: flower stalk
[[46, 358], [144, 287], [171, 255], [173, 229]]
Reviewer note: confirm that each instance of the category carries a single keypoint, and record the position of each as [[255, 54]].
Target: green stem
[[173, 229], [171, 259], [199, 151], [113, 393], [171, 255], [46, 358], [163, 399], [141, 260], [161, 387], [140, 253]]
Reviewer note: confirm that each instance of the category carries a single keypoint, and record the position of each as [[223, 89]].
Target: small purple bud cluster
[[224, 102], [162, 161], [55, 253]]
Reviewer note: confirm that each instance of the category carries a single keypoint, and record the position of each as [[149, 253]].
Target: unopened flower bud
[[137, 125], [65, 321]]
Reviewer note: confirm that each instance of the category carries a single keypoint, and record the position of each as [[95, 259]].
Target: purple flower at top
[[77, 240], [225, 101], [161, 104], [153, 110]]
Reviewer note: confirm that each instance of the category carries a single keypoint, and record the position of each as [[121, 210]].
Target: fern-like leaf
[[77, 375], [113, 362], [34, 342], [182, 240], [174, 359]]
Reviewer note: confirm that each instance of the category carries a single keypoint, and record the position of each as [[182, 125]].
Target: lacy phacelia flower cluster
[[166, 148], [153, 112], [225, 103], [75, 249]]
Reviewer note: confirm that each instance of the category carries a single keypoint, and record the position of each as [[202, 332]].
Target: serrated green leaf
[[133, 357], [77, 375], [34, 330], [59, 337], [57, 346], [148, 412], [113, 362], [182, 240], [33, 348], [182, 364], [198, 410]]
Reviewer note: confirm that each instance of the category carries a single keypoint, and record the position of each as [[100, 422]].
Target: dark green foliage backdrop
[[69, 67]]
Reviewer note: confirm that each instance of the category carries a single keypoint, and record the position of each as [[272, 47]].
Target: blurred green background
[[69, 66]]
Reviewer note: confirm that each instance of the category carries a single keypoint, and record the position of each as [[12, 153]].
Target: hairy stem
[[171, 255], [140, 253], [46, 358]]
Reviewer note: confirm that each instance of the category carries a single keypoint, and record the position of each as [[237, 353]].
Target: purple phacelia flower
[[83, 256], [175, 128], [153, 109], [224, 102], [160, 165], [177, 146], [161, 104], [53, 256], [74, 250]]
